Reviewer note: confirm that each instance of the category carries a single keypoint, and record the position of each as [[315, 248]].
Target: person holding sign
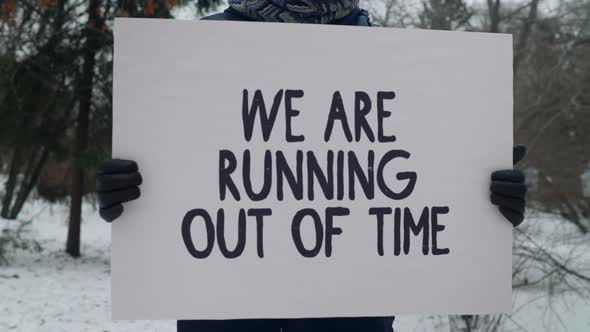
[[118, 180]]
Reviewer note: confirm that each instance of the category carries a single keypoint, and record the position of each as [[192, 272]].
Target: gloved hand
[[509, 190], [117, 181]]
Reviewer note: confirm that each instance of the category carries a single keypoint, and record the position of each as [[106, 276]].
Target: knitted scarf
[[294, 11]]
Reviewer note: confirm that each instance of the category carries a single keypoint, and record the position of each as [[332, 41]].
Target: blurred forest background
[[56, 59]]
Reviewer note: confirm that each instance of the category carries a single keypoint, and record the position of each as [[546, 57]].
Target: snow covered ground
[[49, 291]]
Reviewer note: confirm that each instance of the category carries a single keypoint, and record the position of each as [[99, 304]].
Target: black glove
[[117, 181], [509, 190]]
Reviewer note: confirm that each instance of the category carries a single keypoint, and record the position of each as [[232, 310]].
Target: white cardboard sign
[[252, 137]]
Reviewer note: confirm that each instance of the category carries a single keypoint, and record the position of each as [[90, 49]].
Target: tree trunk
[[37, 161], [494, 15], [527, 28], [92, 35], [10, 184]]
